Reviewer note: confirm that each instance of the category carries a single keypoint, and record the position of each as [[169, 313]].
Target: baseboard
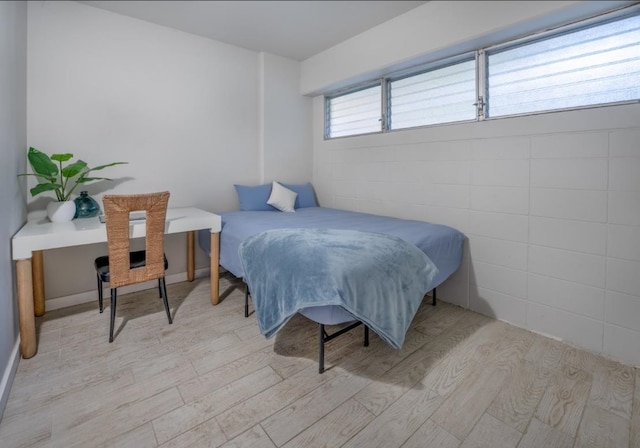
[[7, 377], [92, 296]]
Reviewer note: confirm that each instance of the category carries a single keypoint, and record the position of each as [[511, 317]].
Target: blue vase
[[86, 206]]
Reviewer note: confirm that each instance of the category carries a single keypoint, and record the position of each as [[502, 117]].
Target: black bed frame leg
[[433, 294], [324, 337], [321, 348], [246, 300]]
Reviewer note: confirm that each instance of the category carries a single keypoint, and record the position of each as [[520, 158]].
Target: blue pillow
[[306, 196], [254, 197]]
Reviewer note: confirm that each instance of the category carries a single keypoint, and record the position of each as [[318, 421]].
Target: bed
[[441, 244]]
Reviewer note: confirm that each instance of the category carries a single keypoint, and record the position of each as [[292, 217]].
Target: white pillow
[[282, 198]]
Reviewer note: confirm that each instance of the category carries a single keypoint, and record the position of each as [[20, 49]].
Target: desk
[[41, 234]]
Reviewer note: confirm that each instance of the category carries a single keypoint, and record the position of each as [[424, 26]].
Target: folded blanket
[[379, 279]]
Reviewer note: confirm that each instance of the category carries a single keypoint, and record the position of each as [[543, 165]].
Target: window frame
[[420, 70], [347, 91], [481, 75], [592, 22]]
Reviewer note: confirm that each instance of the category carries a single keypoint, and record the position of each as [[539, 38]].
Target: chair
[[121, 267]]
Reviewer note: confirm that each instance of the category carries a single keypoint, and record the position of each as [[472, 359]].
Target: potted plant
[[62, 180]]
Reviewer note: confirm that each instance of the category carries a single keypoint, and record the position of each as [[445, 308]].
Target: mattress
[[442, 244]]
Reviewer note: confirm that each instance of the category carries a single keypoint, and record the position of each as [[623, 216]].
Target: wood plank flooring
[[212, 380]]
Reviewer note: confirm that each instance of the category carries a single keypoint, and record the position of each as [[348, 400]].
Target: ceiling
[[293, 29]]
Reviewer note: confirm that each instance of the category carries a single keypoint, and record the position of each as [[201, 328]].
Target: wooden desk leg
[[37, 271], [191, 255], [27, 320], [215, 271]]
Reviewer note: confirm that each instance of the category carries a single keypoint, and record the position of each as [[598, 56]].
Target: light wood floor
[[211, 379]]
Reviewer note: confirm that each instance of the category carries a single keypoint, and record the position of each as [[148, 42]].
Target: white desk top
[[41, 234]]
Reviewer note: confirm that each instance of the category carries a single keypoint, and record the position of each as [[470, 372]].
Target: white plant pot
[[61, 211]]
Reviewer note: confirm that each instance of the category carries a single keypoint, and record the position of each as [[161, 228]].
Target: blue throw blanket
[[379, 279]]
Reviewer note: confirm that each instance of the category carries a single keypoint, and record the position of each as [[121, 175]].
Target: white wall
[[550, 205], [184, 111], [177, 107], [435, 30], [13, 131], [286, 134]]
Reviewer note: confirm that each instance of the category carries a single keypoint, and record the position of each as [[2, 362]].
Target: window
[[591, 66], [588, 64], [442, 95], [356, 112]]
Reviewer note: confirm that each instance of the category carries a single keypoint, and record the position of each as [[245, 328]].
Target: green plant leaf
[[62, 180], [42, 164], [41, 188], [74, 169], [61, 157]]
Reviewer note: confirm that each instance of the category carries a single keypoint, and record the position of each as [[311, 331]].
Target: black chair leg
[[166, 301], [160, 288], [366, 336], [114, 295], [100, 292]]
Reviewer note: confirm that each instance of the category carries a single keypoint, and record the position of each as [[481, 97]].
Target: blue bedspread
[[379, 279], [442, 244]]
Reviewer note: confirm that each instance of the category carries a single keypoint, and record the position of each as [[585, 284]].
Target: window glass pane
[[442, 95], [592, 66], [355, 113]]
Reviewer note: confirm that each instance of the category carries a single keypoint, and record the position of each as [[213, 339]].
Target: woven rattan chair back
[[117, 209]]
